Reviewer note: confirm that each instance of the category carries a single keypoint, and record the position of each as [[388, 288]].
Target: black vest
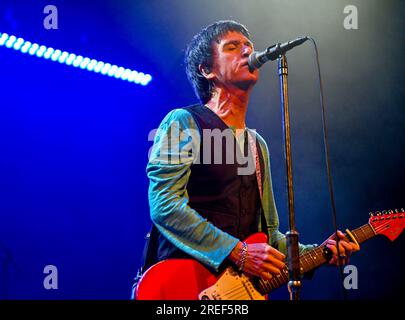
[[216, 191]]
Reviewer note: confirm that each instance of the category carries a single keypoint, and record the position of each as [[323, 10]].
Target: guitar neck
[[313, 259]]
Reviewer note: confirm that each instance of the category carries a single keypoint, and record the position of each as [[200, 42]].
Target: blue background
[[74, 144]]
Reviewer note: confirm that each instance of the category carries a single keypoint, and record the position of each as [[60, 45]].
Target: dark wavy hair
[[199, 51]]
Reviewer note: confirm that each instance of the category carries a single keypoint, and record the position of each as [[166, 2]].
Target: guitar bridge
[[231, 285]]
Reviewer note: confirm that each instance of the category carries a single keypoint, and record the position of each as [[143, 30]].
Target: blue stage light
[[41, 51], [3, 39], [33, 49], [111, 72], [77, 61], [105, 69], [25, 47], [70, 59], [63, 57], [10, 41], [55, 55], [48, 53], [17, 45], [118, 73]]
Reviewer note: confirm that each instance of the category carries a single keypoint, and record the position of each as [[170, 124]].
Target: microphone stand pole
[[294, 285]]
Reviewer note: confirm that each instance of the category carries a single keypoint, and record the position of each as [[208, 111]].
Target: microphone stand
[[294, 285]]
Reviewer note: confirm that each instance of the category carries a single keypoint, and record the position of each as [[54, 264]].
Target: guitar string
[[306, 258], [235, 296], [236, 290], [382, 226]]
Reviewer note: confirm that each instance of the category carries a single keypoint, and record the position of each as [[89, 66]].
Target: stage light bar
[[71, 59]]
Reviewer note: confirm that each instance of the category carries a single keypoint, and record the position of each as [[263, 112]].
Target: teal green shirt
[[168, 198]]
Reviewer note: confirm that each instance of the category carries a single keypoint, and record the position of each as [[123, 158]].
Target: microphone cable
[[327, 160]]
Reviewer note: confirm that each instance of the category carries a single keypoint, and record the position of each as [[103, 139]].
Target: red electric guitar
[[187, 279]]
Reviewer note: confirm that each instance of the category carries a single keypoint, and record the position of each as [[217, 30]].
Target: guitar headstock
[[388, 222]]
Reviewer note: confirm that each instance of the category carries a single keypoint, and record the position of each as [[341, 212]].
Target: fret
[[264, 286], [362, 238], [277, 280], [312, 259], [271, 283], [370, 231], [311, 255], [285, 276], [305, 264], [363, 233]]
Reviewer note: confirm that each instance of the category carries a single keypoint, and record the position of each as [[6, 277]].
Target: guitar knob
[[402, 210], [396, 211], [378, 213], [371, 214], [384, 212], [390, 211]]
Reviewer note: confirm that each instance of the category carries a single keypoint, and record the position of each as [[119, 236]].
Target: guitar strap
[[253, 148], [148, 256], [150, 249]]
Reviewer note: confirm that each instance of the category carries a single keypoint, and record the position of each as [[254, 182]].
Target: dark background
[[74, 144]]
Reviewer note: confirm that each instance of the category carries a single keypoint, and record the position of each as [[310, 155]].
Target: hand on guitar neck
[[260, 259], [265, 261], [346, 248]]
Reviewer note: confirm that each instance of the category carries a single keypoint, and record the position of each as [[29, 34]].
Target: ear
[[205, 72]]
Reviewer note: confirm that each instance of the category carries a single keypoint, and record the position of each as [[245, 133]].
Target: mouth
[[244, 65]]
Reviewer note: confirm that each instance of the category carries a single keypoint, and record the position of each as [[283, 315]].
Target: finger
[[341, 249], [348, 248], [274, 261], [275, 253], [333, 260], [332, 247], [266, 275], [270, 260], [355, 246], [271, 269], [341, 235]]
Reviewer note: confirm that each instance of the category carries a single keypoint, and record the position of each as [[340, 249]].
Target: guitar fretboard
[[311, 260]]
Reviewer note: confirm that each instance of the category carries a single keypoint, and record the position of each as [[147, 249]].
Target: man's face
[[230, 61]]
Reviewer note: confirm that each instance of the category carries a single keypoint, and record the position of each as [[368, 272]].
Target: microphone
[[257, 59]]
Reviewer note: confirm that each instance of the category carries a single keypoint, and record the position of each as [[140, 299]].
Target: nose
[[247, 50]]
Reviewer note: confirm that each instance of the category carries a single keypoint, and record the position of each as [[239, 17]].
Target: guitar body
[[174, 279], [187, 279], [183, 279]]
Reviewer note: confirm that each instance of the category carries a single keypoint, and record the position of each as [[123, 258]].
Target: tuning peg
[[384, 212], [402, 210], [371, 214], [378, 213], [390, 211], [396, 211]]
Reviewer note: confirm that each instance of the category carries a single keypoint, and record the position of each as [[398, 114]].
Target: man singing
[[202, 204]]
